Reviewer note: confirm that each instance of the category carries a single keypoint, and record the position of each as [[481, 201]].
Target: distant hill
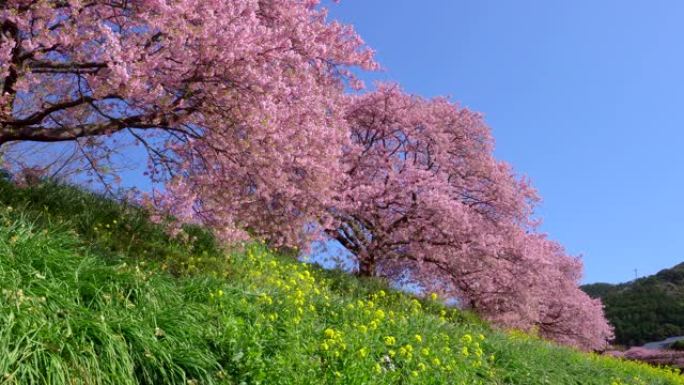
[[646, 309]]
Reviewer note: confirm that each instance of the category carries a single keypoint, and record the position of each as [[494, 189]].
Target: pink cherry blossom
[[424, 200], [233, 100]]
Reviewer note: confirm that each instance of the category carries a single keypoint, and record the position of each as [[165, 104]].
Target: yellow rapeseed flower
[[329, 333], [416, 304], [389, 340]]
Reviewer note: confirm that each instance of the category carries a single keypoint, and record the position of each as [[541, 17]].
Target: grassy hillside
[[92, 293], [646, 309]]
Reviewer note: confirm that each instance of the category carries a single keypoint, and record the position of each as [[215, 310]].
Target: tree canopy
[[424, 199]]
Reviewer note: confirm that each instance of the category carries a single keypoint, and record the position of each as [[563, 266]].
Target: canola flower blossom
[[365, 332], [366, 329]]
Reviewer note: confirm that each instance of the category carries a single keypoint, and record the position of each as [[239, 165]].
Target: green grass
[[93, 293]]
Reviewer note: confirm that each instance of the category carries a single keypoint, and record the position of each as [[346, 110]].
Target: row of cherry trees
[[241, 108]]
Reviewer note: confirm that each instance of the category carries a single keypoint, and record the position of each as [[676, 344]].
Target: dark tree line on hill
[[644, 310]]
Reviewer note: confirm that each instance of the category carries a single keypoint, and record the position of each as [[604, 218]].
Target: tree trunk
[[366, 267]]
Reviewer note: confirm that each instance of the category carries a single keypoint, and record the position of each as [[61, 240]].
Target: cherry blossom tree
[[420, 174], [236, 96], [674, 358], [564, 313], [424, 200]]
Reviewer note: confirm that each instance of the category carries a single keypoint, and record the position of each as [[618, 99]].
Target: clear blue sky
[[585, 97]]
